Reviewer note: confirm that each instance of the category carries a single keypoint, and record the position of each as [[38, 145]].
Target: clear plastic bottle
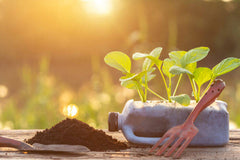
[[145, 123]]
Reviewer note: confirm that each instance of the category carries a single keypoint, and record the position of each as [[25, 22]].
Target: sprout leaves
[[178, 63], [225, 66], [119, 61], [182, 99]]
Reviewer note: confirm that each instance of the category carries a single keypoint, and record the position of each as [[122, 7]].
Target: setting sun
[[98, 6]]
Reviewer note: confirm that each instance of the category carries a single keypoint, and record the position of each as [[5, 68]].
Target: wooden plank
[[230, 151], [234, 134], [18, 134]]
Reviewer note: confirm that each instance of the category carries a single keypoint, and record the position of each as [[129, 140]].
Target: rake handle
[[210, 96]]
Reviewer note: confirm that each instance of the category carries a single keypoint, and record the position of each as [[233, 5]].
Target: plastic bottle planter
[[145, 123]]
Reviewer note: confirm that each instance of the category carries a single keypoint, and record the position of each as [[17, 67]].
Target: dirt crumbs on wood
[[75, 132]]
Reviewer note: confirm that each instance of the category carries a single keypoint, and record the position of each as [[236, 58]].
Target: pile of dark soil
[[75, 132]]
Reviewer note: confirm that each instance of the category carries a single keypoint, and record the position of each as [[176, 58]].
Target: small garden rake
[[186, 131]]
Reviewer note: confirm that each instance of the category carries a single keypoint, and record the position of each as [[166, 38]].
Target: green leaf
[[155, 61], [225, 66], [191, 67], [167, 64], [130, 84], [130, 81], [182, 99], [129, 76], [136, 77], [194, 55], [177, 56], [150, 76], [119, 61], [137, 55], [178, 70], [202, 75], [148, 63]]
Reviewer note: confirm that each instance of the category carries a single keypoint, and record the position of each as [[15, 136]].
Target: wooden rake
[[184, 133]]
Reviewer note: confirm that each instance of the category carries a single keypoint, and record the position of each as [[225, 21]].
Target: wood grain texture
[[231, 151]]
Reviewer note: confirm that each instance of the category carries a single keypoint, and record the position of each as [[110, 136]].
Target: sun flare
[[102, 7], [3, 91], [70, 111]]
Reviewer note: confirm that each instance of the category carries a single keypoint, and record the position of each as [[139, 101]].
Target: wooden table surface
[[231, 151]]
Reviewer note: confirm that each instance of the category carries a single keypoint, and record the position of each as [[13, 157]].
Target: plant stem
[[140, 95], [140, 92], [194, 91], [156, 94], [198, 94], [194, 85], [164, 81], [179, 79], [206, 89], [146, 86], [169, 88]]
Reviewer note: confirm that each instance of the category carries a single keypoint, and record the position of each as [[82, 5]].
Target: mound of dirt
[[75, 132]]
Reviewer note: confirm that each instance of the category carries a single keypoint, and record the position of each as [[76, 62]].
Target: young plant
[[178, 64], [201, 75], [139, 81]]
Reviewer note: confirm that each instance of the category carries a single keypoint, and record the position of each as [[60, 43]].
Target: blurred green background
[[51, 53]]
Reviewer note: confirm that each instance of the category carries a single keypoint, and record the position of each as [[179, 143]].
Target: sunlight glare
[[3, 91], [102, 7], [70, 110]]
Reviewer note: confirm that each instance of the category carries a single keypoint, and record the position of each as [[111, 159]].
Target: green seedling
[[178, 64]]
